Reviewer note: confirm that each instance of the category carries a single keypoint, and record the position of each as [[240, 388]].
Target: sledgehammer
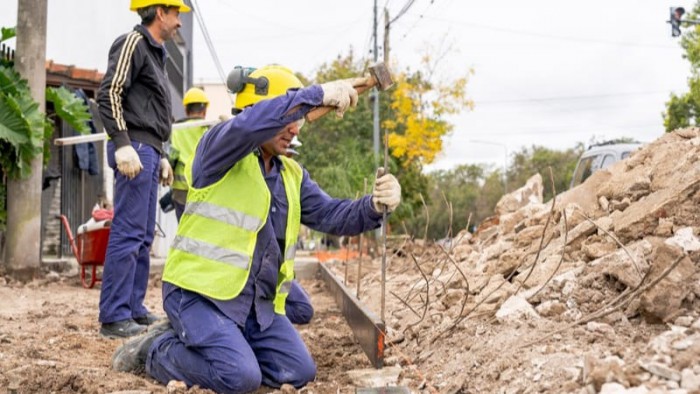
[[379, 76]]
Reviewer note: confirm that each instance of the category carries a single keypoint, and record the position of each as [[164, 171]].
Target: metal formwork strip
[[367, 327]]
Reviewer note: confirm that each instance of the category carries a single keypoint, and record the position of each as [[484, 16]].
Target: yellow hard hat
[[195, 95], [261, 84], [136, 4]]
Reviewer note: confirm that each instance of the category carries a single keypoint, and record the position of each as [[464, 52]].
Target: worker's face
[[169, 22], [278, 144]]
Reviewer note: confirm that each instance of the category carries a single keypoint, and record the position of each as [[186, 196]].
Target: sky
[[545, 72]]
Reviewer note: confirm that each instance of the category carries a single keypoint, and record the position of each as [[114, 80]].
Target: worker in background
[[228, 273], [183, 143], [134, 102]]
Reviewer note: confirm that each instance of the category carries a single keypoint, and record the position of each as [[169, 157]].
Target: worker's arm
[[228, 142], [124, 57], [335, 216]]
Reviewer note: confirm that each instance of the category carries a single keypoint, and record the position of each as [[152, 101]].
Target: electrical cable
[[209, 43]]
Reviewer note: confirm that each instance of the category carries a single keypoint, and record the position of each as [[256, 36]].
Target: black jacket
[[134, 96]]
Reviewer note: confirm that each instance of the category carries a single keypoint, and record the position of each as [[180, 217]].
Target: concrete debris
[[613, 262], [387, 376]]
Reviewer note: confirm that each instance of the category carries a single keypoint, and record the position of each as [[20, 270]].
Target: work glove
[[128, 162], [386, 193], [166, 172], [339, 94]]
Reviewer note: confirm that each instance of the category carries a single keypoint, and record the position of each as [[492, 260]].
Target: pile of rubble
[[595, 291]]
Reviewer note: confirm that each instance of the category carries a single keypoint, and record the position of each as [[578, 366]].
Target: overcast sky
[[549, 73]]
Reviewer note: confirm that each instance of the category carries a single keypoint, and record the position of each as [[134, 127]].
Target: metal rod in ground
[[347, 252], [386, 171], [359, 258]]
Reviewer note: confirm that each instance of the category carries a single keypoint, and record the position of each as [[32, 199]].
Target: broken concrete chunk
[[516, 307], [531, 193], [685, 239], [387, 376], [663, 300], [661, 370]]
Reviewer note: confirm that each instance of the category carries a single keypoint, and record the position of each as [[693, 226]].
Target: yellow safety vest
[[183, 144], [213, 249]]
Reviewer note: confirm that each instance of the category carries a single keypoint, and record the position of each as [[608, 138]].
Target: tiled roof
[[73, 72]]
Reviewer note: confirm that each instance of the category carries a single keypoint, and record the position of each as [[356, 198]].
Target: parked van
[[600, 156]]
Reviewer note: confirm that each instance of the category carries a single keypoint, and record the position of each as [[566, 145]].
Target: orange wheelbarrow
[[89, 247]]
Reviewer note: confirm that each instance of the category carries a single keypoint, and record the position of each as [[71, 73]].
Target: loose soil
[[597, 291], [49, 341]]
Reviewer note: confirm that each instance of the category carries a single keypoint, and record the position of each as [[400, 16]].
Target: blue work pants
[[127, 263], [210, 350]]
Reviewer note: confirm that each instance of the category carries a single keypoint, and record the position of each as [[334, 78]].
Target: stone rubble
[[586, 267]]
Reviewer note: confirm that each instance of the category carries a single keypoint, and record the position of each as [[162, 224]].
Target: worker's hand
[[128, 162], [339, 94], [166, 172], [386, 193]]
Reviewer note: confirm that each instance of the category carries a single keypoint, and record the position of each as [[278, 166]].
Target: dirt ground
[[596, 291], [49, 341]]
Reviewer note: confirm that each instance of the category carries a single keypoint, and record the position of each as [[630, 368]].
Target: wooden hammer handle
[[318, 112]]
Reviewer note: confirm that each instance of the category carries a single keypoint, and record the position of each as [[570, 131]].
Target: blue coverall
[[233, 346]]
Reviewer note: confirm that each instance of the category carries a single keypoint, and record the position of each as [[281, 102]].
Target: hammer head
[[380, 73]]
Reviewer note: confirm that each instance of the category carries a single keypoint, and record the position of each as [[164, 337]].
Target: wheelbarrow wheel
[[89, 284]]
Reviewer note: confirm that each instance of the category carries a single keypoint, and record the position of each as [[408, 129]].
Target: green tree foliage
[[537, 159], [25, 131], [683, 110], [452, 197], [340, 154]]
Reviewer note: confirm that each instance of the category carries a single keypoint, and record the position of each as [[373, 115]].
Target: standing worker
[[134, 101], [183, 143], [230, 267]]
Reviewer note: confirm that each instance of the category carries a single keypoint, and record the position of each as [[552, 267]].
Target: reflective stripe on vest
[[292, 177], [217, 234], [184, 142]]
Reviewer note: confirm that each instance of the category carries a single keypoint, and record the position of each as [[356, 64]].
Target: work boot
[[147, 320], [131, 356], [121, 329]]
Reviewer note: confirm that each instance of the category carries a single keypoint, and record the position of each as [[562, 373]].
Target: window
[[607, 161], [583, 170]]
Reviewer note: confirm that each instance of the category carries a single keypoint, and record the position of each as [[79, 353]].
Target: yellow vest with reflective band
[[213, 249], [185, 141]]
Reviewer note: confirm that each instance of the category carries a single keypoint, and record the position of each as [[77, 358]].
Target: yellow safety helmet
[[136, 4], [251, 85], [195, 95]]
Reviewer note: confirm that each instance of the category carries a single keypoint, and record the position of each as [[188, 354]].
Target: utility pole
[[386, 36], [23, 251], [375, 95]]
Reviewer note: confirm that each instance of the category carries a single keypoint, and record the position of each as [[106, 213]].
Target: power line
[[403, 10], [552, 36], [207, 39], [562, 98], [420, 17]]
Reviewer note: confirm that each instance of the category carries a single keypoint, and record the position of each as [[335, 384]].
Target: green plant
[[25, 131]]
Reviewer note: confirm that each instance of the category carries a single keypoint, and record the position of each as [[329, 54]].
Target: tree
[[452, 197], [537, 159], [683, 110]]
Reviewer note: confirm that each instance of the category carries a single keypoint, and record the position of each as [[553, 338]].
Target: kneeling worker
[[229, 270]]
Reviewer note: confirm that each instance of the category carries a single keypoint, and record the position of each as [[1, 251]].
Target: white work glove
[[339, 94], [386, 193], [166, 172], [128, 162]]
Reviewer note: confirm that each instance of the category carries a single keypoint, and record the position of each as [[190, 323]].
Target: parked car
[[600, 156]]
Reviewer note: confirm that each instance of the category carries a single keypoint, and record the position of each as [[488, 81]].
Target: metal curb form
[[367, 327]]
